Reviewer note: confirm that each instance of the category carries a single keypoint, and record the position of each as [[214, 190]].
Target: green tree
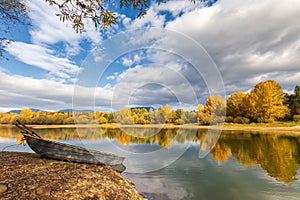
[[266, 102], [295, 102]]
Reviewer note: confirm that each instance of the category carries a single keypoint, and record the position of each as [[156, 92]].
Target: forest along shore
[[26, 176]]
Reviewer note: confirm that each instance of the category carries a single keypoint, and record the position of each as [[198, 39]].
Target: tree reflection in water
[[278, 154]]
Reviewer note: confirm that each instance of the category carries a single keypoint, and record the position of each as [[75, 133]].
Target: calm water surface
[[241, 165]]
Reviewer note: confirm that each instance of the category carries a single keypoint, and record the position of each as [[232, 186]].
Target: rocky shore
[[26, 176]]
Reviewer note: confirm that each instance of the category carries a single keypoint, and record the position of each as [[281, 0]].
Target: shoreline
[[28, 176], [225, 127]]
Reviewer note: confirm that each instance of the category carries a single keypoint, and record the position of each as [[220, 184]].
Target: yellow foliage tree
[[168, 113], [27, 113], [235, 104], [216, 105], [266, 102], [123, 116], [203, 115]]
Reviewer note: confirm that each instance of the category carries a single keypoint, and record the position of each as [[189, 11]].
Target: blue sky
[[242, 43]]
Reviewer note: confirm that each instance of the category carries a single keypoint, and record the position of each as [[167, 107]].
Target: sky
[[179, 53]]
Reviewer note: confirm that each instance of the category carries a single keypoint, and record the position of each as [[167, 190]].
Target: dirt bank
[[28, 176]]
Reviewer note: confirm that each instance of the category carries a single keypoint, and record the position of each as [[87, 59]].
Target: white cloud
[[250, 41], [153, 84], [47, 28], [47, 33], [126, 61], [43, 58], [19, 91], [112, 77], [130, 60], [151, 19], [247, 39]]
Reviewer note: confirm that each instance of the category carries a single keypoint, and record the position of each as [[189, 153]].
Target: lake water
[[179, 163]]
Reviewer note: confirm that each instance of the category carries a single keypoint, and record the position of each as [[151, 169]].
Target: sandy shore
[[26, 176], [281, 129], [254, 127]]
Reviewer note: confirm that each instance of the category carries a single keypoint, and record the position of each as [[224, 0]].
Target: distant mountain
[[146, 107], [19, 111]]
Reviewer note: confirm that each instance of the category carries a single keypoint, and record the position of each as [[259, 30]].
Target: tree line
[[265, 103]]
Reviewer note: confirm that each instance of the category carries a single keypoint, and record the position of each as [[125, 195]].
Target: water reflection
[[277, 154]]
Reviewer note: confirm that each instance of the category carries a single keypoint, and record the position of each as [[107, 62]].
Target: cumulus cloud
[[42, 57], [250, 41], [46, 32], [129, 61], [47, 28], [19, 91], [112, 77], [247, 39], [153, 85]]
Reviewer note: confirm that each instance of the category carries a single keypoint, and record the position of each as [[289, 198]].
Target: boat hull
[[65, 152]]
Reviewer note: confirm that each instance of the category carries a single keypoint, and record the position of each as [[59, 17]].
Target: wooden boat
[[66, 152]]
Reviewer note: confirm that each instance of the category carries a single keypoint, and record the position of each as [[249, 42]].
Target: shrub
[[229, 119], [141, 120], [246, 120], [217, 119], [205, 121], [296, 118], [178, 121], [241, 120], [238, 120], [102, 120], [265, 120], [82, 119], [69, 120]]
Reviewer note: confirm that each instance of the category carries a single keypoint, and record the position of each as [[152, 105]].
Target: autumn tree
[[213, 112], [235, 104], [160, 115], [169, 114], [216, 105], [123, 116], [140, 116], [190, 117], [203, 115], [266, 102], [179, 117], [27, 113]]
